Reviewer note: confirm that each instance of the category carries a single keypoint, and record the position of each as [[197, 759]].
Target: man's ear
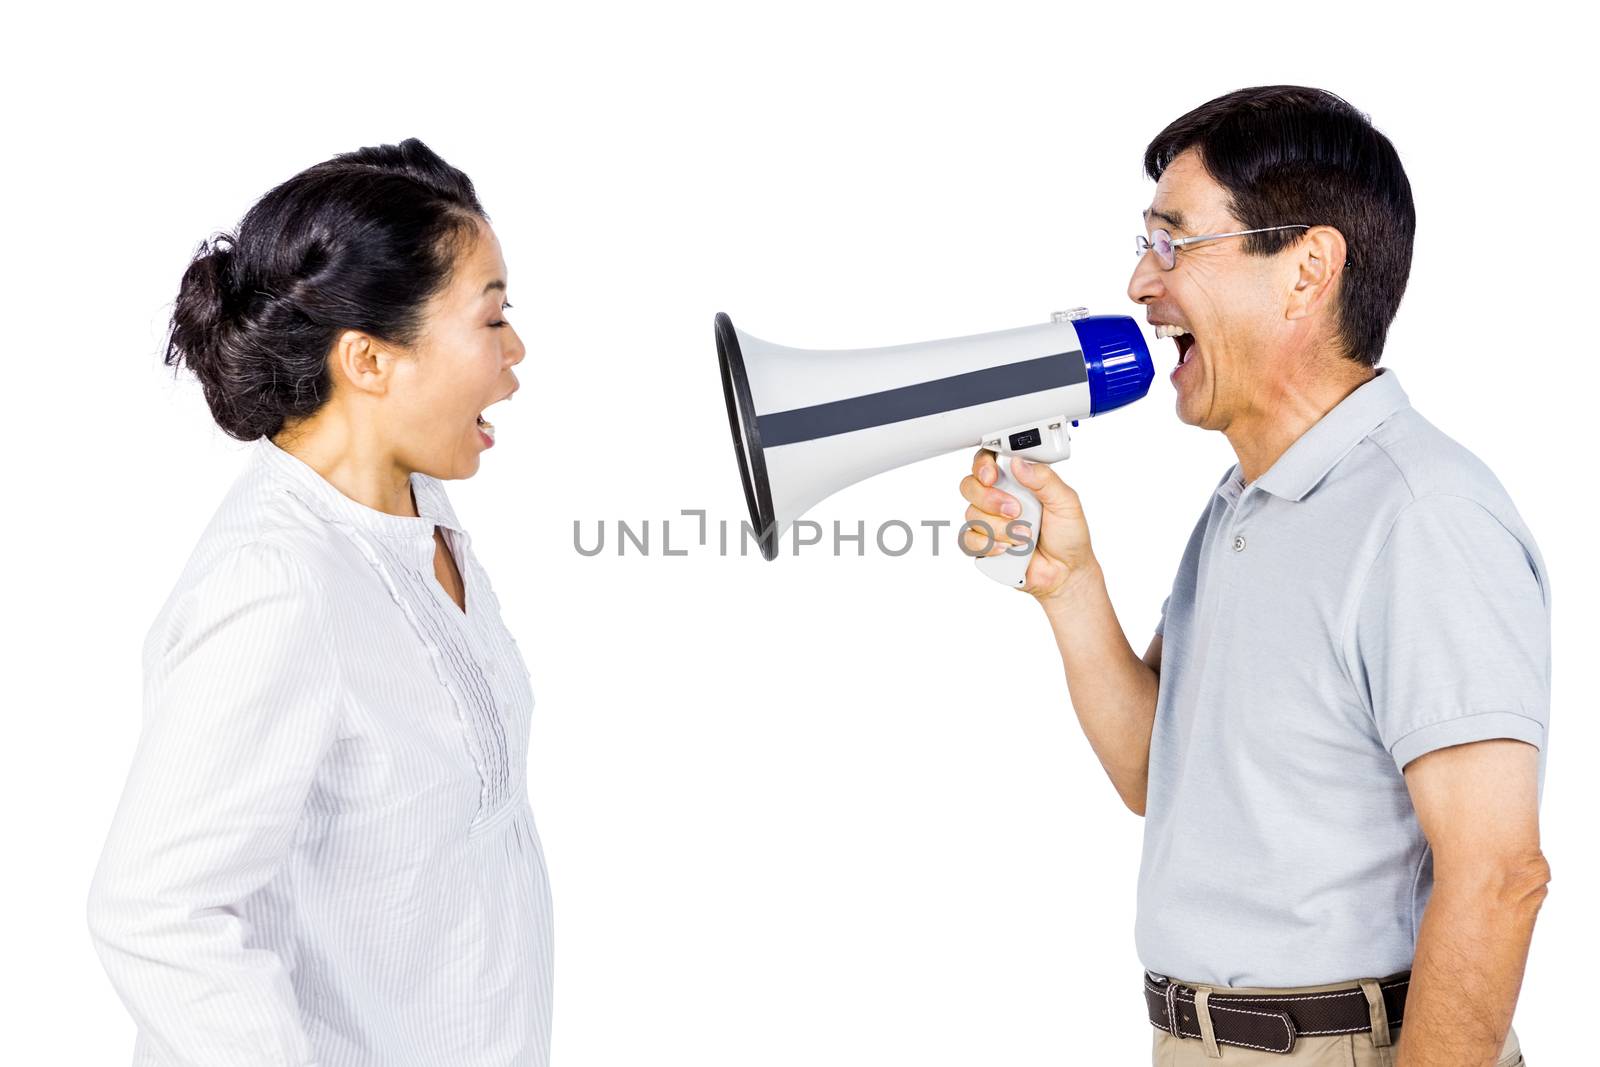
[[1319, 259]]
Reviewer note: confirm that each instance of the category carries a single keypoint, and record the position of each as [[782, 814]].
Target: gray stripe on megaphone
[[924, 398]]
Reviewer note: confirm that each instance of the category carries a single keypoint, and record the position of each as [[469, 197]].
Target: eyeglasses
[[1166, 249]]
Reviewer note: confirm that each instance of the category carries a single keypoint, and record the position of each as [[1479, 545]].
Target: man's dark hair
[[1288, 154]]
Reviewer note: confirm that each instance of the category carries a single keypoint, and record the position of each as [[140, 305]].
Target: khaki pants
[[1364, 1049]]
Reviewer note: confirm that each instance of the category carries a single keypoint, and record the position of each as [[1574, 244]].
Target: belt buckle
[[1170, 996]]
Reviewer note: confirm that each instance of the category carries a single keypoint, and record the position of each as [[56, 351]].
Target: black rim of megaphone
[[742, 414]]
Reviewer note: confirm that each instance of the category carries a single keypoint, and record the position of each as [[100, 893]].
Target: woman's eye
[[502, 322]]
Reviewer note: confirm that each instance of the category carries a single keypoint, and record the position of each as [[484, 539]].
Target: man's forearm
[[1113, 691], [1471, 951]]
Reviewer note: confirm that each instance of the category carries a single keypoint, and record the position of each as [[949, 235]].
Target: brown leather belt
[[1271, 1023]]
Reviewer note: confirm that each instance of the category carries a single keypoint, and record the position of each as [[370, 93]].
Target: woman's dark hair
[[1289, 154], [361, 241]]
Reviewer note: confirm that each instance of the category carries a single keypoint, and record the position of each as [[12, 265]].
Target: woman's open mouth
[[485, 427]]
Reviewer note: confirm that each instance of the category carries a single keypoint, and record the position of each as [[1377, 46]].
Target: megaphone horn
[[806, 422]]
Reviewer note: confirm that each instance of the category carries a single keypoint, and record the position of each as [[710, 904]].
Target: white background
[[818, 810]]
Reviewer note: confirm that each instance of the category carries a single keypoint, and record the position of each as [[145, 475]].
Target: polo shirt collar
[[1331, 438]]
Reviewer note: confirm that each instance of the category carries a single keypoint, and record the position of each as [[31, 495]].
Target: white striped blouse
[[324, 854]]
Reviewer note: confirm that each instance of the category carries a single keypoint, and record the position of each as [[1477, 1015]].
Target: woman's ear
[[360, 361]]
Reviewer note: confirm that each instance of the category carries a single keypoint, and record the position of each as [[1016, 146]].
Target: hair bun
[[205, 306], [206, 296]]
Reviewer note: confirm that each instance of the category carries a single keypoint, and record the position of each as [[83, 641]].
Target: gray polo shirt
[[1370, 598]]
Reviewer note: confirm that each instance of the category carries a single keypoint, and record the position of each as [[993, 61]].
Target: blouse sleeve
[[242, 702]]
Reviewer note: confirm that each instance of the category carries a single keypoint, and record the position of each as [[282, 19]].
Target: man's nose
[[1145, 285]]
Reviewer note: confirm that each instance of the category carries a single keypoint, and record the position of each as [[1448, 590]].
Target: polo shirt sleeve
[[1452, 632], [1161, 623]]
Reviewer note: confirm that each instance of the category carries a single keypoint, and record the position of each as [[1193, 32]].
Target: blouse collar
[[323, 497]]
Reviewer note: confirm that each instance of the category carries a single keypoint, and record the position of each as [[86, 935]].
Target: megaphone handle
[[1011, 568]]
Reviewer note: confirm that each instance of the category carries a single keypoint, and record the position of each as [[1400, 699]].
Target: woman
[[324, 853]]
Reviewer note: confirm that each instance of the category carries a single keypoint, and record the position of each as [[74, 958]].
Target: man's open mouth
[[1182, 337]]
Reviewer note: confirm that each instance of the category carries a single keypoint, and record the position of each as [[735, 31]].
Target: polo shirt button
[[1238, 543]]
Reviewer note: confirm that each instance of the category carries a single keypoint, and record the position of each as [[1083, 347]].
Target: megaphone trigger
[[1009, 567], [1046, 441]]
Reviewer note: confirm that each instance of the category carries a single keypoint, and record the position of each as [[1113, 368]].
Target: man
[[1339, 753]]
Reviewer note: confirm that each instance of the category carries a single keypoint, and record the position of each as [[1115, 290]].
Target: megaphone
[[806, 423]]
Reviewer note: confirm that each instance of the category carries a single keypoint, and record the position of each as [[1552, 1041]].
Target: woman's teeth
[[486, 426]]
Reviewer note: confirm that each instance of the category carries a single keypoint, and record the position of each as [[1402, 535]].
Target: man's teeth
[[1167, 330]]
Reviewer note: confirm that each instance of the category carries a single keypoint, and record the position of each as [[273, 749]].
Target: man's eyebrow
[[1172, 216]]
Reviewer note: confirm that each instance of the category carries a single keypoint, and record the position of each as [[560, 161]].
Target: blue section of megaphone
[[1118, 361]]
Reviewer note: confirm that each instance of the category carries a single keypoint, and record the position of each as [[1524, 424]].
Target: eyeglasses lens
[[1161, 241]]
